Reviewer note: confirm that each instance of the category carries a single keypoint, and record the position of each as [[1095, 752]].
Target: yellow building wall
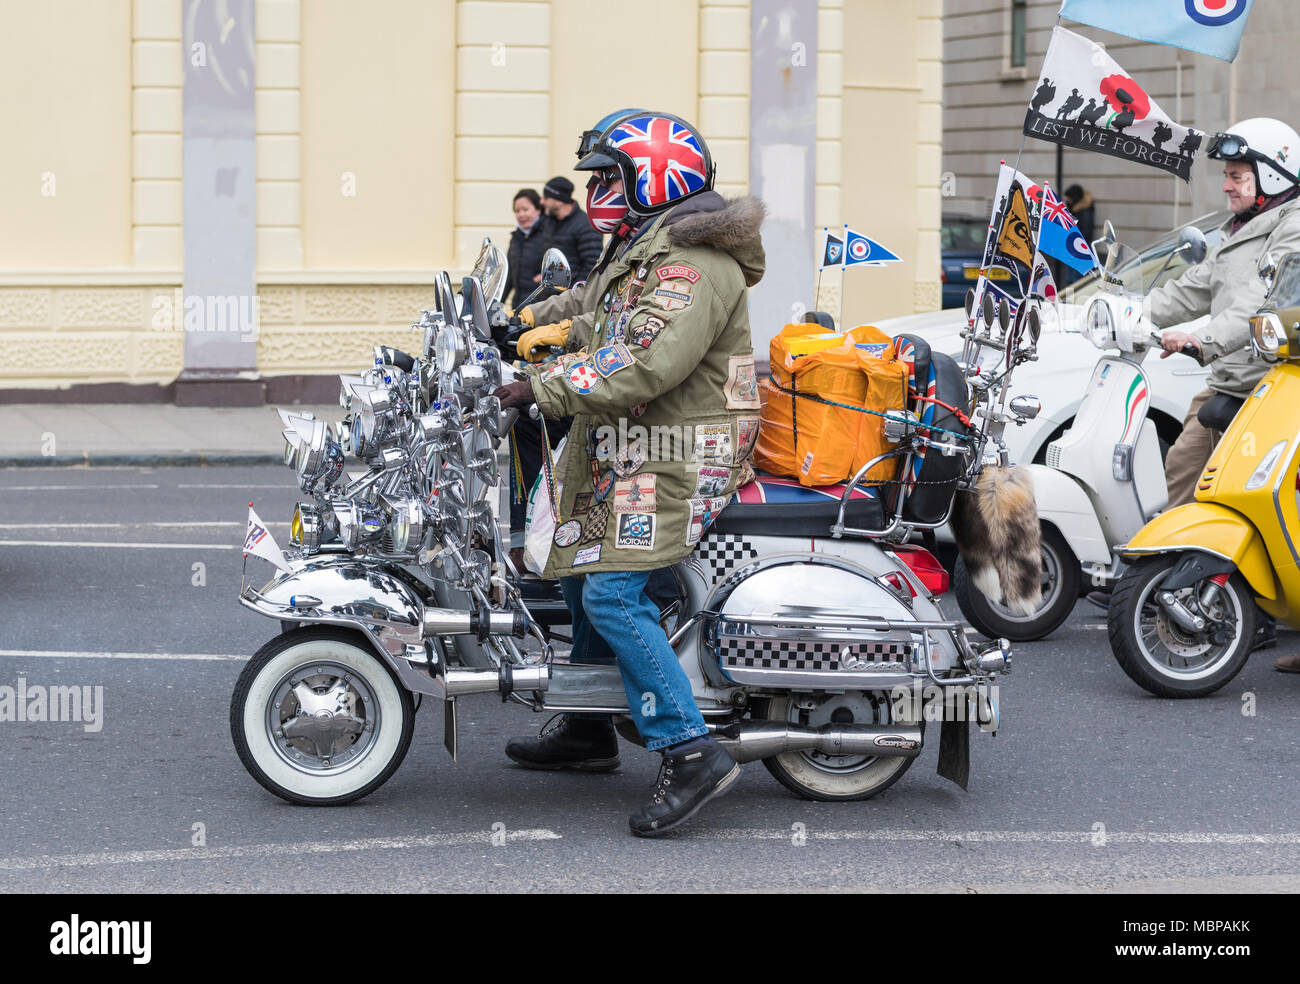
[[391, 137]]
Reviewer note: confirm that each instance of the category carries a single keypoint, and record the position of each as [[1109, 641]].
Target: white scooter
[[1104, 477]]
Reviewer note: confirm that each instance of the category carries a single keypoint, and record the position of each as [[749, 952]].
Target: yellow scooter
[[1182, 617]]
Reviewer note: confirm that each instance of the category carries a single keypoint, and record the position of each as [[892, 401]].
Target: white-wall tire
[[801, 774], [386, 706]]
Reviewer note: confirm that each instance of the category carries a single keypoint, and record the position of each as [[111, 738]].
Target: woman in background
[[526, 247]]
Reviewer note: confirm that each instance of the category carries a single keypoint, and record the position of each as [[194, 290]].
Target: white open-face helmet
[[1270, 146]]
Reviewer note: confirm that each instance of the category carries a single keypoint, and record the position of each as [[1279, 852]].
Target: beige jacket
[[1226, 286]]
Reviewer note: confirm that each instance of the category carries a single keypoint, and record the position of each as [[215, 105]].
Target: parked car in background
[[961, 244]]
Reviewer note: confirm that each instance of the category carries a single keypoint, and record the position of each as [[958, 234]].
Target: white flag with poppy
[[259, 542], [1085, 100]]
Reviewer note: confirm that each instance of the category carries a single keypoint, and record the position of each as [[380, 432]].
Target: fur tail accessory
[[997, 533]]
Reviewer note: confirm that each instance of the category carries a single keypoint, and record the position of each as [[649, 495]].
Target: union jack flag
[[1054, 209], [669, 159]]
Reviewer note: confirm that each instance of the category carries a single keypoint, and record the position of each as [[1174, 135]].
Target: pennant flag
[[1102, 109], [861, 251], [1212, 27], [259, 542], [832, 251], [1059, 236], [1043, 284], [1016, 238], [1007, 176]]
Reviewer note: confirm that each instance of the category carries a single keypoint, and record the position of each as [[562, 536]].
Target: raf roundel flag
[[858, 249], [1212, 27]]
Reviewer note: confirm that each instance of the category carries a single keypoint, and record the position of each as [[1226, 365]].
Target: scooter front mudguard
[[1216, 530]]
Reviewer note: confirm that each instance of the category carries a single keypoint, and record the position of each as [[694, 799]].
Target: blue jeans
[[615, 623]]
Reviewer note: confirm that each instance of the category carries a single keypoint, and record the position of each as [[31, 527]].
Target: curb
[[163, 459]]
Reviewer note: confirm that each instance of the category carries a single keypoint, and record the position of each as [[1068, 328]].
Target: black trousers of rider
[[528, 441]]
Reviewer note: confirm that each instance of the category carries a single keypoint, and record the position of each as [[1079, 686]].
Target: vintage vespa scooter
[[1182, 618], [1104, 477]]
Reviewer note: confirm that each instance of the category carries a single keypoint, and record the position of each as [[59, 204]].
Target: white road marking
[[124, 546], [237, 485], [64, 488], [1007, 836], [474, 838], [224, 523], [74, 654]]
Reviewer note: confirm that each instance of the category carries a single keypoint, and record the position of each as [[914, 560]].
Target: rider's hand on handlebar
[[542, 337], [1174, 342], [518, 394]]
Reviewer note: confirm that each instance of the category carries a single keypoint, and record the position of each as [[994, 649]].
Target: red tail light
[[943, 275], [925, 566]]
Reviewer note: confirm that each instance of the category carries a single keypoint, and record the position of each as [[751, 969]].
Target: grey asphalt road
[[1092, 785]]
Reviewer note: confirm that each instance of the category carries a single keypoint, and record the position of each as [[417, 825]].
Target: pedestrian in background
[[567, 228], [1080, 204], [526, 246]]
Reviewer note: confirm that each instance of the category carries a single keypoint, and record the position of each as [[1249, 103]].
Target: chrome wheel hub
[[322, 717]]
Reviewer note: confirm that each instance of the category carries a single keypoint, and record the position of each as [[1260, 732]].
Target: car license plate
[[996, 273]]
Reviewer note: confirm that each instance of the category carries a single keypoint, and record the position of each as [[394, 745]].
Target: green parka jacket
[[661, 384]]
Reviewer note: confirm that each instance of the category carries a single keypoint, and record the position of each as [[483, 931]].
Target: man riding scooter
[[1262, 189], [659, 339]]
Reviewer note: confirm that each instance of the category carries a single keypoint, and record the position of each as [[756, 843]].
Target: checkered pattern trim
[[780, 654], [722, 553]]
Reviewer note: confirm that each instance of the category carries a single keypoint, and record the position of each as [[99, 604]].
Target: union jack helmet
[[661, 158]]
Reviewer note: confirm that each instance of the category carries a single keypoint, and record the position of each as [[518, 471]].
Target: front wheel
[[1162, 656], [1060, 587], [818, 776], [317, 718]]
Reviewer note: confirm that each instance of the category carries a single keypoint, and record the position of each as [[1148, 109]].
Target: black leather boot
[[585, 744], [691, 775]]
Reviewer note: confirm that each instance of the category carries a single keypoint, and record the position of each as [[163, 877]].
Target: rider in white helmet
[[1260, 157]]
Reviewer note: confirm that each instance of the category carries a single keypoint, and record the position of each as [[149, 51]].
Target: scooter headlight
[[405, 525], [305, 529], [1269, 336], [1100, 327], [1261, 475]]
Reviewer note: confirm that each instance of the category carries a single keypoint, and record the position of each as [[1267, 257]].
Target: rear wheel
[[818, 776], [317, 718], [1162, 656], [1060, 587]]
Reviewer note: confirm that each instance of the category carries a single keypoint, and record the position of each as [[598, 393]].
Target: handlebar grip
[[1190, 349]]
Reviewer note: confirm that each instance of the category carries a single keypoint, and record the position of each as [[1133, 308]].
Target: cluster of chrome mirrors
[[422, 425]]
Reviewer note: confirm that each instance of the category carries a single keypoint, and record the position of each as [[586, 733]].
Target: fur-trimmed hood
[[732, 226]]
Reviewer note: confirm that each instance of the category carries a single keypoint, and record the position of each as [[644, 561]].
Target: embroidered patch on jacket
[[674, 270], [713, 442], [581, 503], [711, 481], [673, 295], [557, 368], [645, 332], [594, 526], [742, 384], [747, 436], [604, 485], [635, 494], [566, 534], [612, 359], [587, 555], [703, 512], [639, 409], [583, 378], [628, 461], [636, 531]]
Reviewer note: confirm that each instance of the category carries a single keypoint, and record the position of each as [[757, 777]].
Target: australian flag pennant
[[1212, 27], [832, 251], [1084, 99], [859, 250]]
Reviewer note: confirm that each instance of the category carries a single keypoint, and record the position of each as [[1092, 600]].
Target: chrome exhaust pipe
[[763, 739], [459, 682]]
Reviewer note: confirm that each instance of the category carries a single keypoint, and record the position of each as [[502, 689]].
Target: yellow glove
[[543, 337], [526, 316]]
